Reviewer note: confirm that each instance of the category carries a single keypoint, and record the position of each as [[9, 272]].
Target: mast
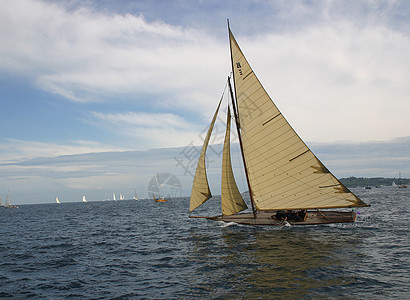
[[234, 106]]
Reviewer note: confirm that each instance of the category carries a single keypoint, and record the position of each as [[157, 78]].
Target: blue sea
[[147, 250]]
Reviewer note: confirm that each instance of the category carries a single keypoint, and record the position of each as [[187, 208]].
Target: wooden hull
[[160, 200], [269, 218]]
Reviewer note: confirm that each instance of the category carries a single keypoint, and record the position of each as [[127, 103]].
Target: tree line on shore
[[375, 181]]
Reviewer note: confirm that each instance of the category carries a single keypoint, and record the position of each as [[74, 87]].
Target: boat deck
[[269, 218]]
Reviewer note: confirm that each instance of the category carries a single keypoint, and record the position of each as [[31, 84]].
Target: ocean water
[[148, 250]]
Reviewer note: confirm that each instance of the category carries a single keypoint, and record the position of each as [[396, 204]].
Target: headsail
[[200, 188], [283, 172], [231, 199]]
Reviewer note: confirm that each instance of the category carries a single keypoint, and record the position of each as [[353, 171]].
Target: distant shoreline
[[374, 181]]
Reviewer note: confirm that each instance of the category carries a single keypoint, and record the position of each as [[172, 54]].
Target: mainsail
[[200, 187], [231, 199], [283, 173]]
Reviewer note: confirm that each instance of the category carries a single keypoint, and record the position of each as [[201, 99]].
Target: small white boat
[[8, 203]]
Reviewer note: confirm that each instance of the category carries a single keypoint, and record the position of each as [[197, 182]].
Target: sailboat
[[84, 199], [57, 200], [8, 203], [113, 197], [287, 183], [135, 195], [159, 198], [401, 185], [0, 203]]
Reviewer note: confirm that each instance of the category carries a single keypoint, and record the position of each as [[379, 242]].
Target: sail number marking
[[238, 66]]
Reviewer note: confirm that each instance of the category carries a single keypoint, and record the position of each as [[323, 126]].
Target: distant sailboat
[[401, 185], [84, 199], [159, 198], [57, 200], [0, 203], [113, 197], [8, 203], [135, 195], [286, 181]]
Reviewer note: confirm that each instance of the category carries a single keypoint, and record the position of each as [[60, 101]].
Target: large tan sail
[[283, 173], [231, 200], [200, 188]]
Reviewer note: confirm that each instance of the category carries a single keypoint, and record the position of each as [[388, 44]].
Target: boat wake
[[285, 224], [227, 224]]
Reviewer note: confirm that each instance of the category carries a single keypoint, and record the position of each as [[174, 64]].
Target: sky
[[112, 77]]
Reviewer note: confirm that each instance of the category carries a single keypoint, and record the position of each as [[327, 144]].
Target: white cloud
[[16, 150], [337, 82], [161, 120], [98, 175], [154, 129], [86, 56], [333, 80]]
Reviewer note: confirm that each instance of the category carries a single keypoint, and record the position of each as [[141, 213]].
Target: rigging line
[[241, 145], [223, 93], [238, 125]]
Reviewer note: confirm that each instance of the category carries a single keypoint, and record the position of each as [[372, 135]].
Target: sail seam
[[263, 124], [333, 185], [299, 155], [246, 76]]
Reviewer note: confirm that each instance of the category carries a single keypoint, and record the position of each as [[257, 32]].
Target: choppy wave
[[139, 249]]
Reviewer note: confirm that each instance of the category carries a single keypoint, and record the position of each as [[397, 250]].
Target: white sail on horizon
[[8, 201]]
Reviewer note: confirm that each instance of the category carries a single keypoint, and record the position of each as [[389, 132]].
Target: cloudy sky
[[90, 76]]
